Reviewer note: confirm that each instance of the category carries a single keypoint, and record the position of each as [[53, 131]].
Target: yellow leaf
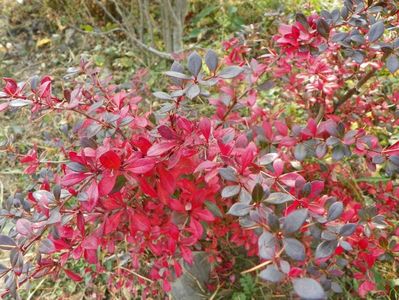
[[43, 42]]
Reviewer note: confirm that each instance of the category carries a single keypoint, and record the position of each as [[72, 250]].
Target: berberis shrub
[[146, 187]]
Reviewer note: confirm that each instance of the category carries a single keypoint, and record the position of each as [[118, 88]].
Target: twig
[[360, 83], [133, 38], [216, 292], [265, 263], [137, 274], [226, 114], [36, 288]]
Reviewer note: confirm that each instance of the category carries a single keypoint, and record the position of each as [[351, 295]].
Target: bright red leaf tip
[[110, 160], [75, 277]]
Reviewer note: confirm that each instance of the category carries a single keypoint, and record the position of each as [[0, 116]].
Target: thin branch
[[149, 21], [320, 113], [168, 5], [141, 17], [356, 89], [264, 264], [232, 105], [261, 265], [137, 274], [134, 39]]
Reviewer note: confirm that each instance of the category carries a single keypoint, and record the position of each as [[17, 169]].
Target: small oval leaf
[[272, 274], [376, 31], [308, 288], [294, 249], [335, 211], [279, 198], [294, 220], [239, 209]]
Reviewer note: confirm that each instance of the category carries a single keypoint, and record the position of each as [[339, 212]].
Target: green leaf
[[323, 28], [214, 209], [204, 13], [257, 193], [87, 28]]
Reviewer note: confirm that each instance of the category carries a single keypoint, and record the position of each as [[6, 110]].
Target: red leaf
[[161, 148], [45, 87], [167, 180], [204, 215], [142, 165], [11, 86], [90, 256], [141, 222], [92, 197], [392, 150], [106, 184], [146, 188], [167, 133], [205, 127], [80, 222], [281, 127], [289, 179], [110, 160], [366, 287], [176, 205], [278, 166], [196, 228], [73, 178], [143, 144], [187, 254], [112, 222], [206, 165], [73, 275], [90, 242], [317, 187]]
